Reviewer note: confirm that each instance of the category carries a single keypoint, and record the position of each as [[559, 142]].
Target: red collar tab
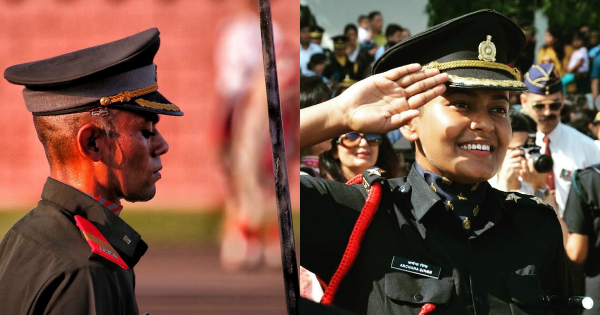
[[97, 242], [115, 208]]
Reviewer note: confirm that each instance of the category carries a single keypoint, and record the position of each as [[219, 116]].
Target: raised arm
[[377, 104]]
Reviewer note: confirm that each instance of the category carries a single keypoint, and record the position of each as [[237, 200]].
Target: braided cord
[[473, 64], [127, 95]]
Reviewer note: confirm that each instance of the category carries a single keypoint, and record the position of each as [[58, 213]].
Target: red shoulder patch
[[98, 242]]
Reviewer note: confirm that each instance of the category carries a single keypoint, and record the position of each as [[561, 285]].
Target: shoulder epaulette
[[98, 242], [524, 200]]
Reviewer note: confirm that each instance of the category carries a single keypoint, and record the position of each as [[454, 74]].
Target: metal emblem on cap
[[487, 50]]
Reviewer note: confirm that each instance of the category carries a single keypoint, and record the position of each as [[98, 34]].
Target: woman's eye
[[460, 104], [147, 133], [500, 110]]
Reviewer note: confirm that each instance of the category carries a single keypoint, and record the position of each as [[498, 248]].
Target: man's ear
[[523, 99], [91, 141], [409, 131]]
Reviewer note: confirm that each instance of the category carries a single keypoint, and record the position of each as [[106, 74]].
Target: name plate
[[415, 267]]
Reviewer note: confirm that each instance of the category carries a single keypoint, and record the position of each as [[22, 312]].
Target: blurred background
[[181, 272]]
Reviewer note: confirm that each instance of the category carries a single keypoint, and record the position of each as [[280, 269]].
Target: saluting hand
[[377, 104], [390, 99]]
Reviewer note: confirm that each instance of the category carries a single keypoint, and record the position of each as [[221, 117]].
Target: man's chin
[[141, 197]]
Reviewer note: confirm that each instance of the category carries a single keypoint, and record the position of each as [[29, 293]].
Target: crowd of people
[[553, 155]]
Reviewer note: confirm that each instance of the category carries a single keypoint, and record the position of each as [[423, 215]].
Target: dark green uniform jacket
[[47, 267], [503, 268]]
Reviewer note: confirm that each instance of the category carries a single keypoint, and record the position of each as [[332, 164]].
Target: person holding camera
[[524, 168], [570, 149]]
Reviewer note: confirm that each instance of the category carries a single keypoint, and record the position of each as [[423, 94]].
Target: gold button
[[104, 101], [466, 224]]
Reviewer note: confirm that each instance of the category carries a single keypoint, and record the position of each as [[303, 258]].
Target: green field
[[163, 228]]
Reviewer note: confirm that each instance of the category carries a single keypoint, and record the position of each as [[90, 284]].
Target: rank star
[[375, 172], [513, 197], [538, 200]]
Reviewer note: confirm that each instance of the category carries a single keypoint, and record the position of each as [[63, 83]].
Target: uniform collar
[[423, 199], [119, 234]]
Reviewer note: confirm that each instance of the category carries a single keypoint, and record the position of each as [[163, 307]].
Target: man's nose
[[160, 145]]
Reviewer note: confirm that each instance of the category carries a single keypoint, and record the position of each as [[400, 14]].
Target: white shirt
[[580, 53], [364, 35], [305, 55], [571, 150]]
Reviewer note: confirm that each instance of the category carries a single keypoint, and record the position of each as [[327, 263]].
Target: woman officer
[[441, 237]]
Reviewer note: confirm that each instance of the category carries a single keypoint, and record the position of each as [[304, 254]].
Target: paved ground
[[182, 282]]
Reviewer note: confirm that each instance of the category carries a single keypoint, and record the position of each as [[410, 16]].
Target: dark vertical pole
[[284, 211]]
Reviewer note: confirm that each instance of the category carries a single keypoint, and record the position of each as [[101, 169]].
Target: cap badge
[[487, 50]]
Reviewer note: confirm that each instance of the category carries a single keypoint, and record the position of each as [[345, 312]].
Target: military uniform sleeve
[[328, 212], [88, 290], [577, 214]]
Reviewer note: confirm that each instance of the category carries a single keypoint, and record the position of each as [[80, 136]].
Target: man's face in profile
[[136, 147]]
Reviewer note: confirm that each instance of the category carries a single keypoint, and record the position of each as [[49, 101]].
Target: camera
[[541, 162]]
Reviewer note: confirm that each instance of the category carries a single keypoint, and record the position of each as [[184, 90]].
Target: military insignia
[[449, 206], [487, 50], [538, 200], [476, 210], [126, 239], [446, 181], [474, 187], [461, 197], [98, 242], [513, 197], [376, 171], [466, 223], [433, 187]]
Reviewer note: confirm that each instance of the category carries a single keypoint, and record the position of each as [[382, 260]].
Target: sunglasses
[[554, 106], [352, 139]]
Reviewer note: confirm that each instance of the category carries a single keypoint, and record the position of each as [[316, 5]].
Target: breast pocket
[[525, 295], [405, 288]]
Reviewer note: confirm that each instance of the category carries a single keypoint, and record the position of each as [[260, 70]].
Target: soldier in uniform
[[582, 217], [339, 64], [95, 112], [442, 238]]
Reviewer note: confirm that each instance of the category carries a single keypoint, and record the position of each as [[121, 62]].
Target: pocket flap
[[524, 290], [405, 287]]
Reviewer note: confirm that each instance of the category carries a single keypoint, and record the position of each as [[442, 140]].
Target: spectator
[[376, 22], [553, 51], [594, 76], [579, 64], [313, 91], [355, 53], [594, 127], [353, 153], [518, 172], [569, 148], [581, 217], [393, 34], [316, 66], [339, 64], [307, 47], [364, 30], [594, 45], [316, 34]]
